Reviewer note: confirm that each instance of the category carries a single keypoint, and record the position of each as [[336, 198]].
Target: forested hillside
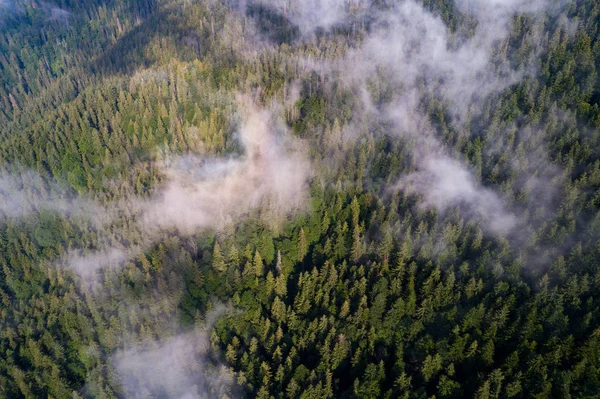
[[299, 199]]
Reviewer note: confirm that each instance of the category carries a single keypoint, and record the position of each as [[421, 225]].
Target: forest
[[299, 199]]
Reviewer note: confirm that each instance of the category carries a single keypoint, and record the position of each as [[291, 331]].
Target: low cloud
[[51, 12], [87, 265], [408, 54], [269, 178], [445, 183], [420, 56], [271, 173], [310, 16], [178, 367], [7, 6], [441, 180], [55, 13], [26, 193]]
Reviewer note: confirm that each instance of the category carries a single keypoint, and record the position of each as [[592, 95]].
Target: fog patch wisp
[[178, 367], [271, 174]]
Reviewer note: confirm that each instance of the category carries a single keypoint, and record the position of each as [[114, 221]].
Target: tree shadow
[[152, 40], [272, 23]]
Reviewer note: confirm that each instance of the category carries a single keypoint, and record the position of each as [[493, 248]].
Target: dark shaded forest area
[[315, 199]]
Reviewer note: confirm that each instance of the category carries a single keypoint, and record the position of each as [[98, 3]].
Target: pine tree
[[258, 265], [218, 261], [302, 245]]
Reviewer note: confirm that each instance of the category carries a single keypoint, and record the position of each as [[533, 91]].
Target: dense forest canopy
[[285, 198]]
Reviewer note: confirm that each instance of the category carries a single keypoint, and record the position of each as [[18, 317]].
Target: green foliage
[[364, 293]]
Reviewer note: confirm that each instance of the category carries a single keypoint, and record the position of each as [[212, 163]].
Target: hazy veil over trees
[[299, 199]]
